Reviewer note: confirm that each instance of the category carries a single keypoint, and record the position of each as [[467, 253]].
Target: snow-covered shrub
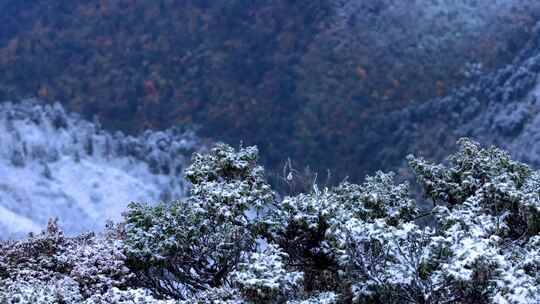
[[130, 296], [222, 295], [321, 298], [365, 235], [487, 215], [471, 170], [96, 264], [387, 263], [263, 278], [231, 242], [191, 245], [229, 185], [312, 228], [39, 292], [52, 268]]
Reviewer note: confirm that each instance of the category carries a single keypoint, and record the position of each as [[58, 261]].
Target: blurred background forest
[[300, 79]]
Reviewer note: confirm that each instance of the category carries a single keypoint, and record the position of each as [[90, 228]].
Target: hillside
[[301, 79], [500, 108], [56, 164]]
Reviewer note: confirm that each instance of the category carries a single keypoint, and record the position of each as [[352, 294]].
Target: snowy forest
[[272, 152]]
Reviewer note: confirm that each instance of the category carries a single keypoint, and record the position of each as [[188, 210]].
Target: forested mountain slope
[[301, 79], [55, 164], [499, 108]]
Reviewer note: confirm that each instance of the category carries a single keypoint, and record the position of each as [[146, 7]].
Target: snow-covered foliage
[[61, 291], [359, 243], [487, 212], [321, 298], [313, 228], [55, 164], [263, 278], [66, 291], [190, 245], [52, 268], [233, 242], [130, 296]]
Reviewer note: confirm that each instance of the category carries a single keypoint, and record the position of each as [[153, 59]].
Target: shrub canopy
[[234, 241]]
